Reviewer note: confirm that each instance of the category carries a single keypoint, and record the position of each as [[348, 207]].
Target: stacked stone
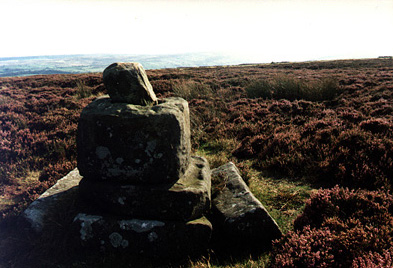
[[134, 156]]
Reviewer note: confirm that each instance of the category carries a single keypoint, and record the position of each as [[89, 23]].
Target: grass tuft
[[83, 91], [290, 88], [188, 89]]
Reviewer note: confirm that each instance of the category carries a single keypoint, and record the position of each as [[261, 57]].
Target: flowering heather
[[374, 260], [38, 120], [339, 228], [346, 140]]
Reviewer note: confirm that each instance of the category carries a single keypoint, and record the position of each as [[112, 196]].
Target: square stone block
[[189, 198], [133, 143]]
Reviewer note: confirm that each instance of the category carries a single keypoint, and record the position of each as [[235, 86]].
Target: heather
[[285, 143], [339, 228], [38, 118]]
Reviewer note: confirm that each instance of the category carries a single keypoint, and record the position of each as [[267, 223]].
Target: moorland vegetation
[[291, 128]]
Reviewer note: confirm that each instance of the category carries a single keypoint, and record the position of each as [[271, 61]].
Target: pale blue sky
[[261, 30]]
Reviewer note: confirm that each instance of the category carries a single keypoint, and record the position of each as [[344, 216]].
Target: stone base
[[148, 238], [175, 239], [187, 199], [239, 219]]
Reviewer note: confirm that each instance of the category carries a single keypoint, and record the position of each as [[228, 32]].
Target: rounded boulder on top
[[127, 82]]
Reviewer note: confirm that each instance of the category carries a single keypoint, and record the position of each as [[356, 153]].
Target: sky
[[263, 31]]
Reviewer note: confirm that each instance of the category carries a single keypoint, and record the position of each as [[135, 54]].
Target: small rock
[[238, 218], [128, 83]]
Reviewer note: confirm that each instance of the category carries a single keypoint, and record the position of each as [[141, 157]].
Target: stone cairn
[[142, 192], [147, 194]]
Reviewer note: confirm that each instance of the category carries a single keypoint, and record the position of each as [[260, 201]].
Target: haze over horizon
[[259, 31]]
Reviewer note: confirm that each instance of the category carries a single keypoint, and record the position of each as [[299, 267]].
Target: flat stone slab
[[36, 214], [151, 238], [133, 143], [238, 217], [189, 198]]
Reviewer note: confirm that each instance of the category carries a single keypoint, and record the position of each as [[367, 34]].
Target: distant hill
[[72, 64]]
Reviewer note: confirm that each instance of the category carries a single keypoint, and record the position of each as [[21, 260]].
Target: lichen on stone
[[86, 230], [152, 236], [102, 152], [121, 200], [116, 239], [140, 226]]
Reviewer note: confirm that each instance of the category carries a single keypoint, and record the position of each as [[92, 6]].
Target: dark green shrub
[[259, 89], [325, 89], [285, 87], [192, 90], [290, 88]]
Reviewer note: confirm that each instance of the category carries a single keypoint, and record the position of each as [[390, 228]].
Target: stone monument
[[149, 194], [141, 191]]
